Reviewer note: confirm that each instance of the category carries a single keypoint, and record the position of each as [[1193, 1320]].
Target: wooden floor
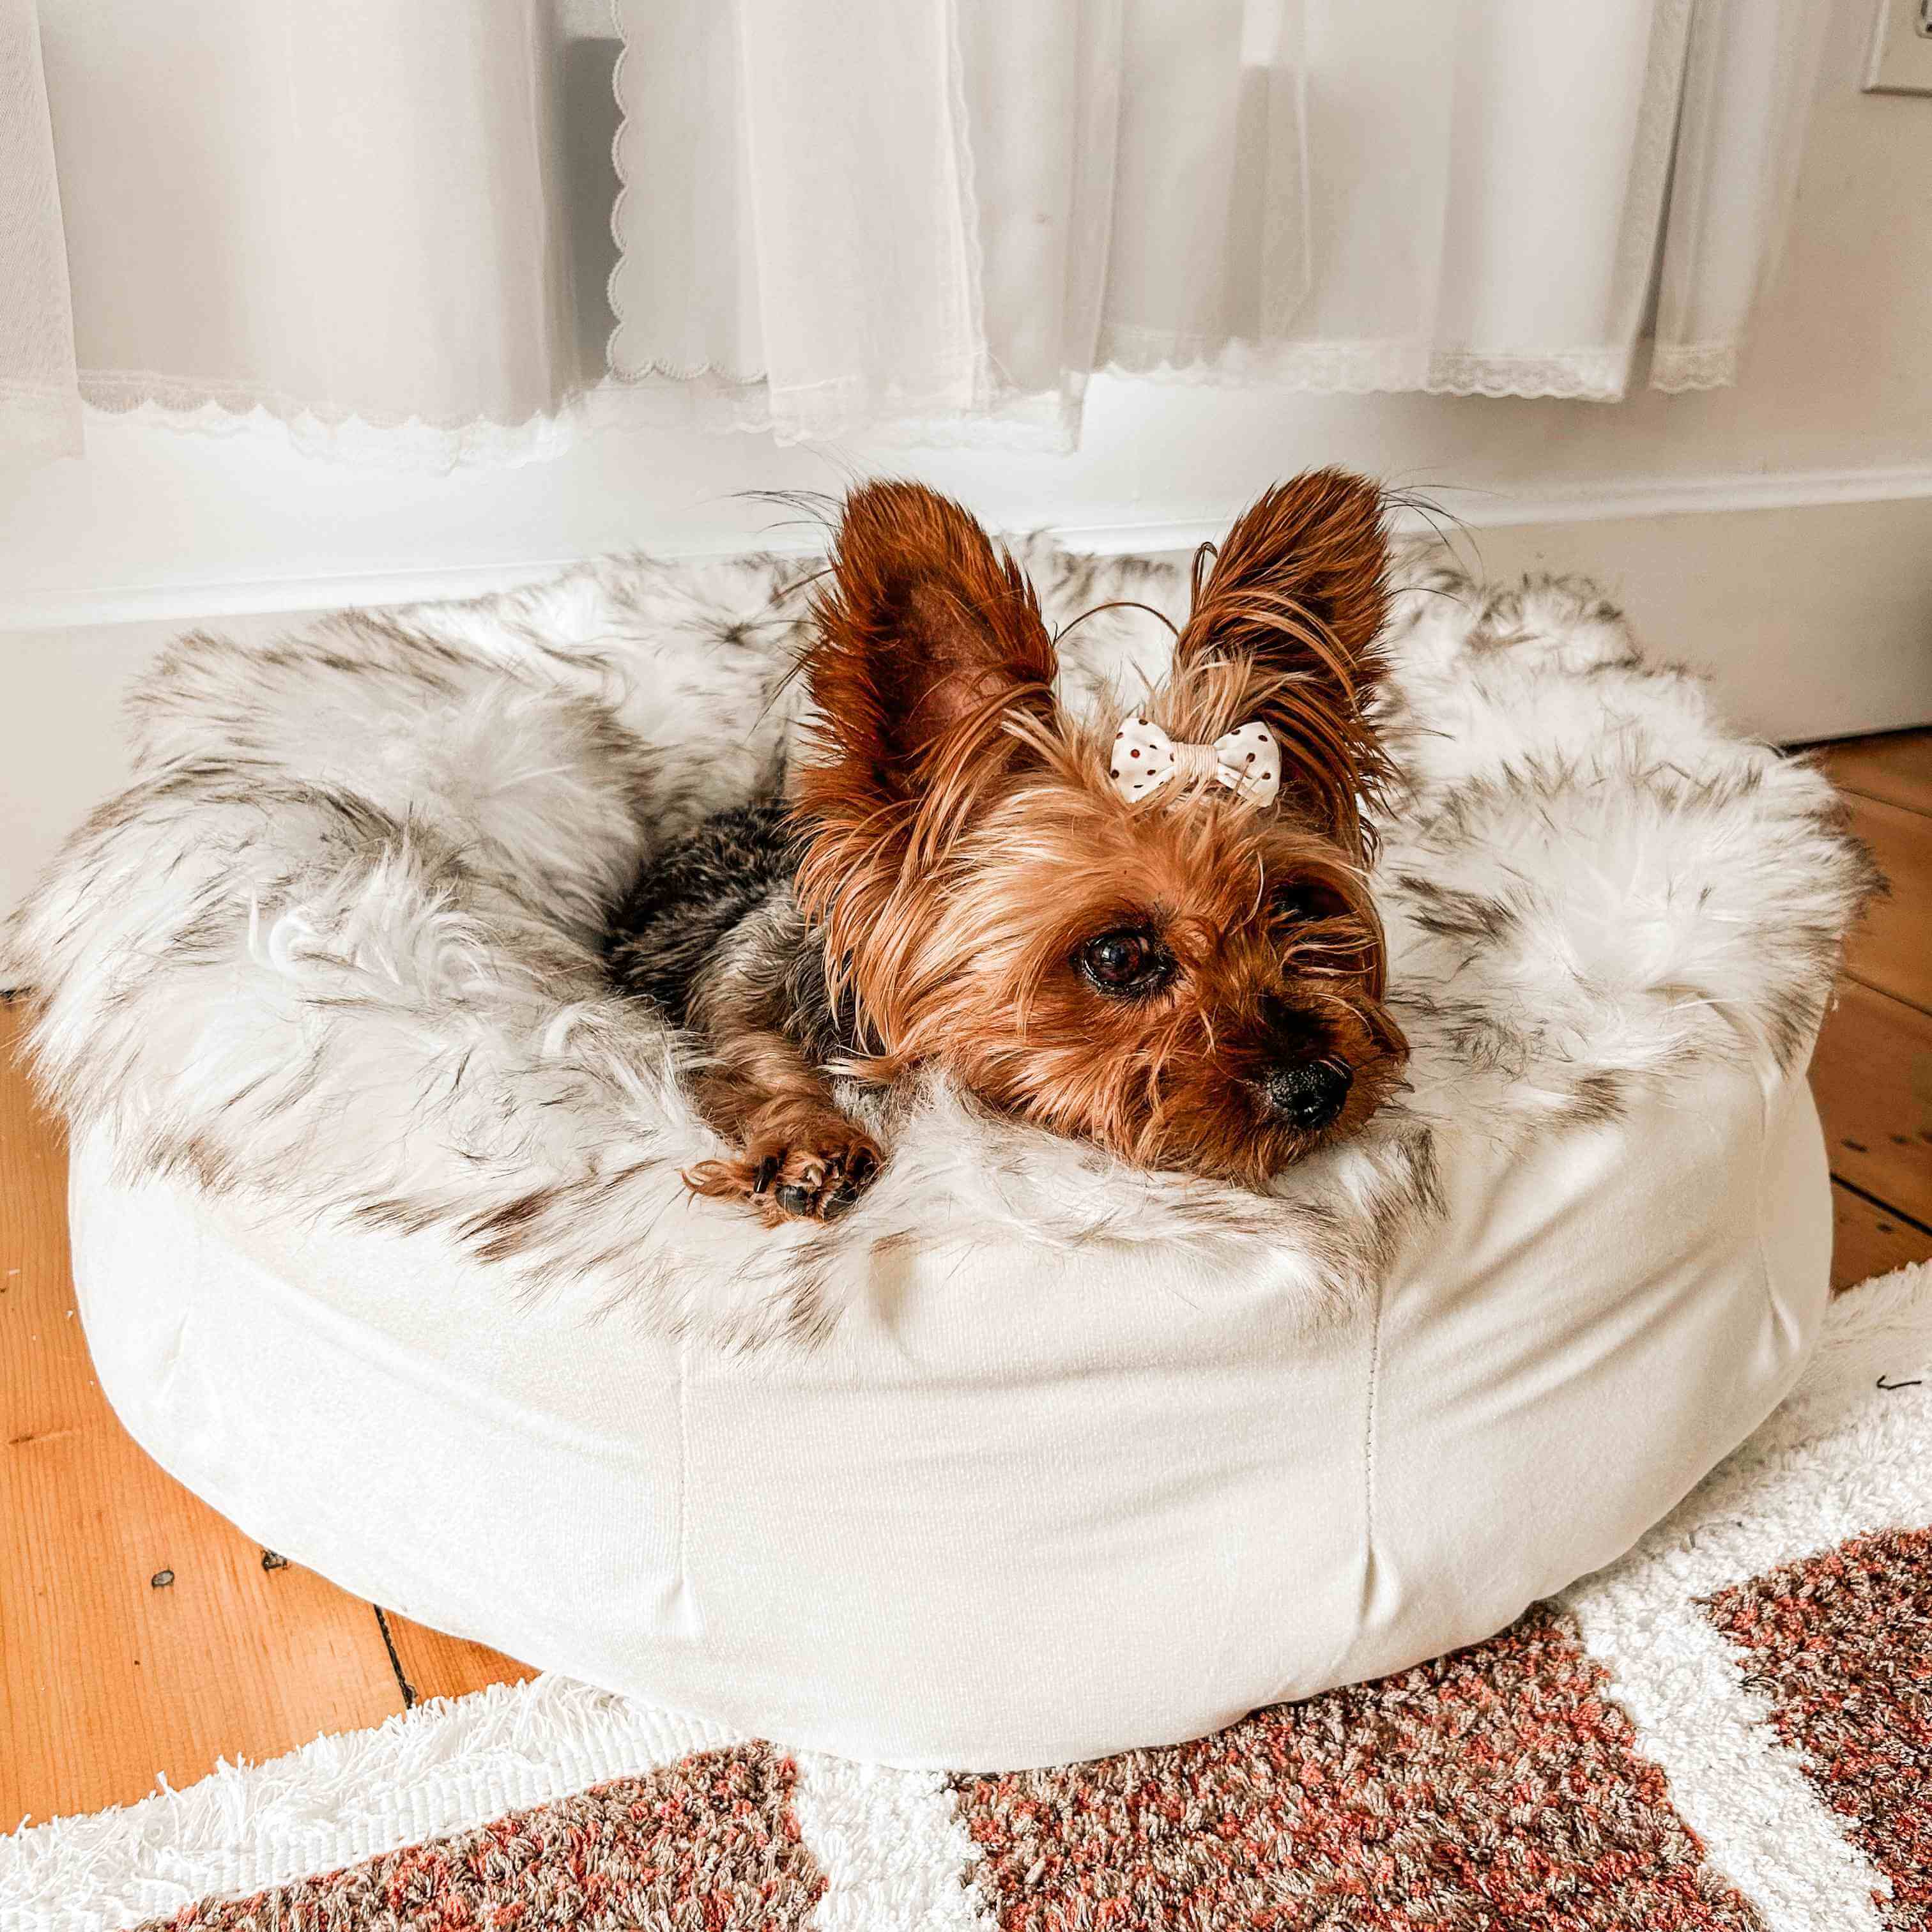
[[1872, 1072], [141, 1635]]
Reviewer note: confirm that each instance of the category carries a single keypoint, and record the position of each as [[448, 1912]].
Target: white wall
[[1780, 533], [1835, 398]]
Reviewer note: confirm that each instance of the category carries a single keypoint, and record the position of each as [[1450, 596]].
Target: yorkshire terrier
[[1151, 929]]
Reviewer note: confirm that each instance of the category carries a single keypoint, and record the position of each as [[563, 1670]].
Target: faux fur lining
[[334, 951]]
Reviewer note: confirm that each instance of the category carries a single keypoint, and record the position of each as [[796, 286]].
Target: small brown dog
[[1151, 930]]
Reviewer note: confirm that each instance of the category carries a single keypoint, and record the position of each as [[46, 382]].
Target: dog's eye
[[1128, 964]]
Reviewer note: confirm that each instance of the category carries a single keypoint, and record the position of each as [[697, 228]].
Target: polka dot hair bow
[[1246, 761]]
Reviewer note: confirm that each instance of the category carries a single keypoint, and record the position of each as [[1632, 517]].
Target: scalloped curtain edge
[[1678, 367], [999, 417]]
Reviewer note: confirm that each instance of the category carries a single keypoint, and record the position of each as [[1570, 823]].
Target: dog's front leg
[[802, 1158]]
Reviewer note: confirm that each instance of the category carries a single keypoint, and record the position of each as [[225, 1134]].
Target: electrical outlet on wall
[[1901, 54]]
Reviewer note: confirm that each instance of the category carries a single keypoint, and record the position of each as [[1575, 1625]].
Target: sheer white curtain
[[938, 215], [40, 400], [1746, 90], [388, 228], [349, 217]]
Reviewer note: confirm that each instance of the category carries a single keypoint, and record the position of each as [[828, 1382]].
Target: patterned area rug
[[1731, 1728]]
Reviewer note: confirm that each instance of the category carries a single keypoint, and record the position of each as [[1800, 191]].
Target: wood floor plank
[[1891, 947], [436, 1665], [1895, 767], [1872, 1075], [1868, 1240], [143, 1634]]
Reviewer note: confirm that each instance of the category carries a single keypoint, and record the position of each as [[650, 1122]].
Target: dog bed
[[381, 1246]]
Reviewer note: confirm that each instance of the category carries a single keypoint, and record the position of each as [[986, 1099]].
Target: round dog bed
[[381, 1246]]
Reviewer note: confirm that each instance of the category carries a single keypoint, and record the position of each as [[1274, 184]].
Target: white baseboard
[[1602, 500], [1606, 500]]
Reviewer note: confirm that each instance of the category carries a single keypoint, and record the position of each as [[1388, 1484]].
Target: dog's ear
[[928, 637], [1285, 622]]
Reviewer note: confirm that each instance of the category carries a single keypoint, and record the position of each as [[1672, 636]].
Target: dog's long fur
[[336, 950], [958, 838]]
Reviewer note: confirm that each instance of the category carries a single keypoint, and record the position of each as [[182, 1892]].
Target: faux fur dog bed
[[381, 1244]]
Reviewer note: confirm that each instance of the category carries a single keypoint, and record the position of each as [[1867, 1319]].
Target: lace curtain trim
[[1001, 418], [1596, 374], [1678, 367], [374, 440], [45, 420], [1046, 423]]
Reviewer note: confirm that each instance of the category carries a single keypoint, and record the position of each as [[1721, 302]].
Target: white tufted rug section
[[1732, 1727]]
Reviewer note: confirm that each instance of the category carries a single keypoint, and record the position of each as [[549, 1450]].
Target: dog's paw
[[800, 1169]]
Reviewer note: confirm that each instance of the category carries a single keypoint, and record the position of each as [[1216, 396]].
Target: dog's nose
[[1310, 1094]]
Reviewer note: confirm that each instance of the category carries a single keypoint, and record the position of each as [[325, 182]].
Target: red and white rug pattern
[[1730, 1729]]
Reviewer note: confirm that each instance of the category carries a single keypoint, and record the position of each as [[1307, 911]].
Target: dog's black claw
[[768, 1170], [864, 1166], [795, 1200]]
